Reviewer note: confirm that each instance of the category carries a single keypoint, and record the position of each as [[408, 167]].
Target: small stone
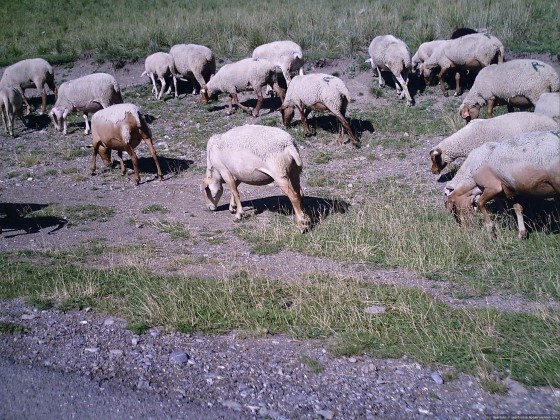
[[375, 309], [91, 349], [437, 378], [134, 341], [83, 322], [30, 179], [326, 414], [399, 372], [179, 357], [232, 405], [108, 322], [352, 360], [27, 316], [116, 353], [424, 411]]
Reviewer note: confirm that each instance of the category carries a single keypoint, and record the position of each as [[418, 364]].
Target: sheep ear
[[435, 152]]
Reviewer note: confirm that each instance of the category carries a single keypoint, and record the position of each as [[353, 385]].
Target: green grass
[[11, 328], [320, 307], [328, 28]]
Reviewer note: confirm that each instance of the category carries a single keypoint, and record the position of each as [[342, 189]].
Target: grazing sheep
[[549, 104], [194, 62], [33, 72], [476, 133], [255, 155], [320, 92], [391, 54], [11, 103], [285, 54], [471, 52], [524, 166], [250, 73], [121, 127], [517, 83], [160, 64], [425, 50], [87, 94]]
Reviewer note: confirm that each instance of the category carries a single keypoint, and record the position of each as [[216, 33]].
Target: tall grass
[[477, 341], [61, 30]]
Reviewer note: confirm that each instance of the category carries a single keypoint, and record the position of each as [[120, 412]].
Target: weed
[[11, 328], [321, 157], [313, 364], [155, 208]]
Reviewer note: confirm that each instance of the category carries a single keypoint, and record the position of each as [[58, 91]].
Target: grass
[[78, 214], [320, 306], [327, 29]]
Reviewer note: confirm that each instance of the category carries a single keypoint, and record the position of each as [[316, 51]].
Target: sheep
[[425, 50], [255, 155], [459, 32], [285, 54], [462, 142], [160, 64], [121, 127], [252, 73], [321, 92], [549, 104], [472, 52], [391, 54], [524, 166], [29, 73], [517, 83], [11, 104], [196, 62], [87, 94]]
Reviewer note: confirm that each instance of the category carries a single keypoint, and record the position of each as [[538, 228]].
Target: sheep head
[[287, 112], [59, 116], [469, 112], [437, 161], [462, 202], [213, 190]]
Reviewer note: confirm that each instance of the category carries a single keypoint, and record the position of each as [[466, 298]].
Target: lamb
[[391, 54], [320, 92], [194, 62], [524, 166], [160, 64], [473, 135], [87, 94], [121, 127], [517, 83], [249, 73], [472, 52], [549, 104], [33, 72], [255, 155], [11, 104], [285, 54], [425, 50]]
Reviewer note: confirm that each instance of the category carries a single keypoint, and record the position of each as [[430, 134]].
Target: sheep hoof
[[522, 234], [445, 94]]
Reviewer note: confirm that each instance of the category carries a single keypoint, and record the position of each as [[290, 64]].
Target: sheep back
[[240, 75], [77, 94], [463, 51], [528, 78], [27, 73], [549, 104], [193, 58], [285, 54], [315, 88], [390, 53], [160, 63], [116, 115]]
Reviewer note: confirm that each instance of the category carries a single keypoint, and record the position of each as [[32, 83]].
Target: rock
[[108, 322], [91, 349], [116, 353], [179, 357], [326, 414], [437, 378], [28, 316], [232, 405], [352, 360]]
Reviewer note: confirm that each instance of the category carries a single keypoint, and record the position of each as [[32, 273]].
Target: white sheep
[[285, 54], [255, 155], [527, 165], [249, 73], [425, 50], [549, 104], [320, 92], [470, 52], [517, 83], [87, 94], [30, 73], [388, 53], [121, 127], [461, 143], [160, 64], [194, 62], [11, 104]]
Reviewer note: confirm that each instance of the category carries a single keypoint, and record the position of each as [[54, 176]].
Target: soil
[[225, 376]]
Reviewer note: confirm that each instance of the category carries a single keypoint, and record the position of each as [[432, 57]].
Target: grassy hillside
[[62, 30]]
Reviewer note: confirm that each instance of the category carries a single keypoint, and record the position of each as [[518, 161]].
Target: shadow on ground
[[16, 220], [168, 165]]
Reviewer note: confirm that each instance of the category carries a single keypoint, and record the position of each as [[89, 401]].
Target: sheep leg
[[404, 87], [232, 184], [286, 74], [154, 84], [175, 86], [150, 144], [490, 108], [230, 110], [96, 145], [163, 84], [85, 115], [258, 105], [240, 105], [381, 80], [121, 162], [295, 197], [307, 130], [346, 127], [518, 208], [232, 203], [134, 158], [4, 119], [43, 100], [458, 83], [279, 91], [488, 193], [441, 76]]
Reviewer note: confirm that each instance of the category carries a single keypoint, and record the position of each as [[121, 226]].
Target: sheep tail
[[293, 151]]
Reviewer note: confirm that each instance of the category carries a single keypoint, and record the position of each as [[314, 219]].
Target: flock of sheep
[[516, 155]]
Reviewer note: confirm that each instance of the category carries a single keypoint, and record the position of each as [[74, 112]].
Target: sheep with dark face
[[255, 155], [524, 166], [121, 127]]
